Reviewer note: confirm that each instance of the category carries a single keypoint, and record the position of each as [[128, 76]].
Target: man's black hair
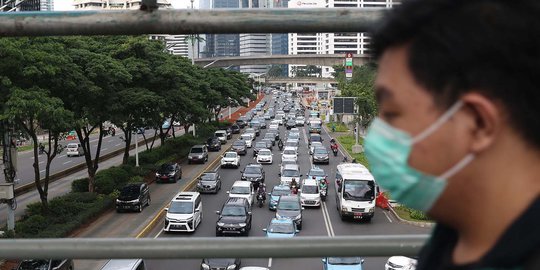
[[458, 46]]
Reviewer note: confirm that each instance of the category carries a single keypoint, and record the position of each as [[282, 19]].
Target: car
[[46, 264], [293, 136], [320, 155], [277, 191], [316, 173], [133, 196], [289, 206], [230, 159], [288, 172], [300, 121], [253, 173], [309, 193], [314, 137], [209, 182], [235, 129], [264, 156], [292, 143], [400, 263], [198, 153], [239, 146], [313, 146], [234, 217], [263, 123], [290, 123], [275, 132], [258, 146], [74, 149], [169, 172], [125, 264], [281, 228], [248, 138], [220, 263], [267, 116], [271, 136], [344, 263], [268, 143], [229, 132], [253, 131], [222, 136], [242, 189], [213, 144], [184, 213], [273, 125], [241, 122], [290, 153]]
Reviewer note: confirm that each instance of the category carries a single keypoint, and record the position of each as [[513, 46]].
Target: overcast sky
[[60, 5]]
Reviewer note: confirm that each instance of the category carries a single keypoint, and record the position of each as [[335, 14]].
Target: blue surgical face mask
[[388, 150]]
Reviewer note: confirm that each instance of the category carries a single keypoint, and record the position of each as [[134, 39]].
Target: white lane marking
[[117, 144], [41, 162], [103, 149], [159, 233], [269, 262], [94, 140], [110, 141], [67, 162], [388, 217], [61, 156], [327, 220], [42, 171]]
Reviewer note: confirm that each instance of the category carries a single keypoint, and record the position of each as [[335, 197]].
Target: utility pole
[[137, 148], [9, 159]]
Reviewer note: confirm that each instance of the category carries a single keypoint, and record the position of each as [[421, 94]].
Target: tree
[[276, 71]]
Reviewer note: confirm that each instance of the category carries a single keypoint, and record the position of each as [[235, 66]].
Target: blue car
[[276, 193], [316, 173], [342, 263], [281, 228]]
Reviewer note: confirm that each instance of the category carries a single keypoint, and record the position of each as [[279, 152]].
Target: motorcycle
[[260, 200], [335, 150], [322, 193]]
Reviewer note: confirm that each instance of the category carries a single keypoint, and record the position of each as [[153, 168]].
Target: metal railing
[[186, 21], [221, 247]]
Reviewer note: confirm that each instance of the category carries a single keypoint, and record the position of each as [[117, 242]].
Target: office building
[[218, 45], [20, 5]]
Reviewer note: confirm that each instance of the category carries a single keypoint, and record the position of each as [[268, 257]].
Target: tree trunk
[[127, 144], [153, 140], [186, 128]]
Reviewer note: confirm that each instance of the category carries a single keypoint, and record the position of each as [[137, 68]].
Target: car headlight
[[221, 224], [117, 201], [157, 175], [344, 209], [190, 157], [298, 217], [372, 209], [232, 266], [278, 216], [171, 174], [206, 266], [244, 178], [242, 224]]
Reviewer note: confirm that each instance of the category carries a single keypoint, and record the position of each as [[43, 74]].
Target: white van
[[125, 264], [74, 149], [222, 136], [309, 193], [355, 191], [184, 213], [242, 189]]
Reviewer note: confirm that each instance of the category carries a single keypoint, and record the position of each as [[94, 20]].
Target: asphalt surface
[[323, 221], [25, 160]]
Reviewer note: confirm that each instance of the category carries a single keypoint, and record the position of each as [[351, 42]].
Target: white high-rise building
[[254, 44], [175, 44], [47, 5], [333, 43]]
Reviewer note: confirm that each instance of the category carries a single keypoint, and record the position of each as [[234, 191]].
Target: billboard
[[344, 105]]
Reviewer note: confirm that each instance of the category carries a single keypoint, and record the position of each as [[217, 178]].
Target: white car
[[230, 159], [309, 193], [264, 156], [222, 136], [242, 189], [273, 126], [292, 143], [74, 149], [289, 153], [300, 121], [400, 263], [314, 145], [288, 172], [184, 213], [248, 138]]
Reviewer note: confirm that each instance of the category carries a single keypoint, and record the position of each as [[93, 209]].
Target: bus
[[355, 192]]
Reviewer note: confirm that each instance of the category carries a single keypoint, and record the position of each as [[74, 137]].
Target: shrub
[[79, 185], [108, 180], [32, 225], [416, 214], [136, 179]]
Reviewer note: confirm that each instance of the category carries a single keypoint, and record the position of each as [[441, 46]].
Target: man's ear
[[487, 120]]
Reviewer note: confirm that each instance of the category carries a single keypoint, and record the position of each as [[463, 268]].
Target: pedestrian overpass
[[296, 59]]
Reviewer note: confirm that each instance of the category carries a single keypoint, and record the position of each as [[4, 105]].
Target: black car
[[241, 122], [133, 197], [220, 263], [271, 136], [269, 143], [291, 123], [213, 144], [209, 182], [169, 172], [239, 146], [314, 137], [320, 155], [258, 146], [46, 264], [253, 173], [235, 129], [234, 218]]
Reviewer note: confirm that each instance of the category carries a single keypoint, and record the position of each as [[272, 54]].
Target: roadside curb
[[414, 223]]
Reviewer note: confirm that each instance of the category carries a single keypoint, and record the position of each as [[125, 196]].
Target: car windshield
[[240, 190], [316, 138], [230, 210], [358, 190], [196, 150], [208, 176], [288, 205], [34, 265], [290, 173], [220, 133], [320, 151], [310, 190], [289, 152], [345, 260], [275, 227], [315, 125], [317, 172], [265, 153], [239, 143], [294, 135], [281, 191], [246, 137], [260, 144], [230, 155], [252, 170], [181, 208], [166, 168], [72, 146], [269, 135], [130, 191]]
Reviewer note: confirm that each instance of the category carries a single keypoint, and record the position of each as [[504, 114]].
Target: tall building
[[19, 5], [280, 42], [254, 44], [333, 43], [47, 5], [217, 45]]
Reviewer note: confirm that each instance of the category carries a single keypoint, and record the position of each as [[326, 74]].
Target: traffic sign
[[343, 105]]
